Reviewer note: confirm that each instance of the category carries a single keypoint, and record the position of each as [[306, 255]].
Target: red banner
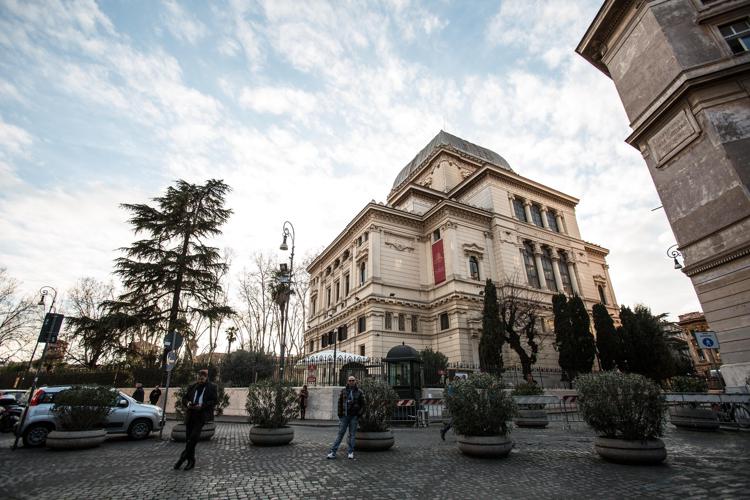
[[438, 261]]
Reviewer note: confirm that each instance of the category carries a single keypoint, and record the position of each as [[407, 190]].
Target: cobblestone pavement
[[548, 463]]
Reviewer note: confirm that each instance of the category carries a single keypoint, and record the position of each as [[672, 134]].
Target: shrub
[[379, 400], [689, 384], [621, 405], [480, 406], [221, 403], [271, 404], [83, 408], [526, 389]]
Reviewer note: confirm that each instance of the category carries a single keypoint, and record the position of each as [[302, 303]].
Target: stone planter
[[208, 431], [531, 418], [485, 446], [75, 440], [621, 451], [373, 441], [696, 419], [261, 436]]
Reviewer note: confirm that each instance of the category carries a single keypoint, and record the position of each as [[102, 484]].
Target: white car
[[128, 416]]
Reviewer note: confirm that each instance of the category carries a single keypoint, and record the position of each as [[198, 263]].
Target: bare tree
[[520, 312], [17, 318], [258, 316]]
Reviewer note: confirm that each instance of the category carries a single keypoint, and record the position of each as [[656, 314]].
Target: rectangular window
[[527, 253], [343, 332], [346, 285], [737, 35], [519, 210], [328, 297], [414, 323], [362, 350], [552, 221], [362, 272], [337, 287], [444, 321], [565, 274], [324, 341], [536, 215], [474, 268], [313, 305], [549, 274], [401, 322], [435, 235], [361, 324], [388, 321], [312, 345]]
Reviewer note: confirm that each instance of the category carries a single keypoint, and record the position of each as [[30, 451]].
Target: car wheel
[[36, 435], [140, 429]]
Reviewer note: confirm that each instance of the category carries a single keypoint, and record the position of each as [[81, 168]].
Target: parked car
[[130, 417], [19, 394], [10, 412]]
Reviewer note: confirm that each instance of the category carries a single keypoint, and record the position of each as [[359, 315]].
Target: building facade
[[704, 360], [412, 270], [682, 70]]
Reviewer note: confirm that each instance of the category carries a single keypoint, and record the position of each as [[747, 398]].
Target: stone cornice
[[717, 260], [452, 208], [593, 45], [595, 249]]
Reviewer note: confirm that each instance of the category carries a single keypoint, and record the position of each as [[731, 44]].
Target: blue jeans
[[345, 423]]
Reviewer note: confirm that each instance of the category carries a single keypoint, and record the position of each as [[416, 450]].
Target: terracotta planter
[[532, 418], [261, 436], [373, 441], [75, 440], [622, 451], [208, 431], [695, 419], [485, 446]]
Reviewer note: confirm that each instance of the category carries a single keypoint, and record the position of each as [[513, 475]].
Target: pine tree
[[491, 343], [173, 266], [646, 345], [607, 341], [563, 332]]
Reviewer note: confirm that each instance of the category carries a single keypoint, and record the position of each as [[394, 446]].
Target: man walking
[[138, 394], [351, 406], [153, 398], [199, 401]]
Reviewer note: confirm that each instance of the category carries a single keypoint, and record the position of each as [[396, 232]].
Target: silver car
[[128, 416]]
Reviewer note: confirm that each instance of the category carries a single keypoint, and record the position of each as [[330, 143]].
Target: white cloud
[[183, 25], [13, 139], [278, 101]]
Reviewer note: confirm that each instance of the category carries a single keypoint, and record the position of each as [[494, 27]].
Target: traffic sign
[[177, 341], [171, 360], [707, 340], [50, 328], [311, 379]]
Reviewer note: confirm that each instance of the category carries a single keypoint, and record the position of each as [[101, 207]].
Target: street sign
[[50, 328], [171, 360], [168, 341], [311, 379], [707, 340]]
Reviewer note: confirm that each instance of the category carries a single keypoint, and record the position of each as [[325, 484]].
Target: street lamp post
[[673, 253], [287, 231]]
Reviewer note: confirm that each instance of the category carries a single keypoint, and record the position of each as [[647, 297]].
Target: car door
[[119, 415]]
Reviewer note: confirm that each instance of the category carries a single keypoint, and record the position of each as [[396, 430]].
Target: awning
[[327, 357]]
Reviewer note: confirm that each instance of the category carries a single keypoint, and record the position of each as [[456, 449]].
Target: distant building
[[682, 69], [704, 360], [412, 270]]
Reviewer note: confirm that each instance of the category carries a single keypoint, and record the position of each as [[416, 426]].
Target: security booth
[[404, 369]]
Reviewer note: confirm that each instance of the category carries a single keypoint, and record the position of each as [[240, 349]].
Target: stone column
[[527, 210], [545, 222], [489, 258], [556, 270], [538, 261], [572, 273], [451, 252], [511, 198], [375, 241], [559, 220]]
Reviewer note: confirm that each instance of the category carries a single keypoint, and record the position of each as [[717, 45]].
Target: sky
[[308, 110]]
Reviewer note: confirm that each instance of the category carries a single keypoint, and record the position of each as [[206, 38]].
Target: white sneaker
[[331, 456], [350, 456]]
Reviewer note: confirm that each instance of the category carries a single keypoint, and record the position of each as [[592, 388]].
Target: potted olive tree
[[270, 405], [689, 415], [373, 430], [81, 413], [481, 410], [209, 428], [529, 414], [627, 411]]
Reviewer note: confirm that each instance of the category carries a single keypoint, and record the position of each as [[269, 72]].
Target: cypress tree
[[491, 343], [607, 341], [584, 346]]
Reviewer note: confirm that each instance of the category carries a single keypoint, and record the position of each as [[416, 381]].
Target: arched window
[[602, 296], [474, 268]]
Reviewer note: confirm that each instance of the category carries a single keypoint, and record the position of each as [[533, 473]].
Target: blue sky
[[308, 110]]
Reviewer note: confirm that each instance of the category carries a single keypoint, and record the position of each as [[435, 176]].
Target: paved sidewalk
[[549, 463]]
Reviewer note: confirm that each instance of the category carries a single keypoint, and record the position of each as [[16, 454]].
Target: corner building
[[412, 270]]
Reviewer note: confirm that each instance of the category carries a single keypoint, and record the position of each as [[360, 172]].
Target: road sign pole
[[169, 378]]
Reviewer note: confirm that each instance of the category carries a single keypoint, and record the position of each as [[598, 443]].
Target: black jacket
[[138, 394], [154, 396], [356, 406], [210, 398]]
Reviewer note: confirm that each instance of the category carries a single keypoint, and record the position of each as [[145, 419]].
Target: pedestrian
[[303, 395], [449, 422], [138, 394], [153, 398], [530, 379], [351, 405], [199, 402]]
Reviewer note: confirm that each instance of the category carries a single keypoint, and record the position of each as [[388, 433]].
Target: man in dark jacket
[[153, 398], [199, 402], [351, 406], [138, 394]]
